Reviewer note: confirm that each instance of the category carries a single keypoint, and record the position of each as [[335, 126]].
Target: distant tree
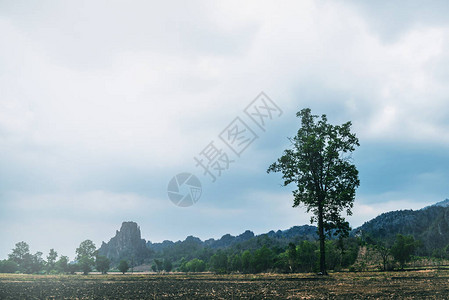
[[72, 268], [8, 266], [102, 263], [247, 260], [159, 264], [349, 251], [319, 163], [62, 264], [292, 258], [20, 255], [51, 259], [86, 253], [236, 263], [384, 253], [123, 266], [195, 265], [154, 268], [168, 266], [219, 262], [37, 262], [333, 257], [263, 259], [27, 262], [307, 257], [403, 248]]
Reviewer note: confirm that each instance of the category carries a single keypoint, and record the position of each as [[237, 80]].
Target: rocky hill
[[430, 225], [126, 244]]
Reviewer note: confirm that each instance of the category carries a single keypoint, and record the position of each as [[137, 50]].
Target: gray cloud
[[103, 102]]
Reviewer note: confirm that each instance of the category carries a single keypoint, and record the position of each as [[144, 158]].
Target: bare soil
[[423, 284]]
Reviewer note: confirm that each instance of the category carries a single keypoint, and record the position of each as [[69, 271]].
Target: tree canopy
[[85, 254], [319, 163]]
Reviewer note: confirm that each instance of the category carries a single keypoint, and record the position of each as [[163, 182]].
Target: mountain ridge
[[429, 224]]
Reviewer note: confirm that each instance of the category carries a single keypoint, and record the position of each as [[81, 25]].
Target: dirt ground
[[429, 284]]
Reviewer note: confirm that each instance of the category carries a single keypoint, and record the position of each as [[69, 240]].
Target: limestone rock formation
[[127, 244]]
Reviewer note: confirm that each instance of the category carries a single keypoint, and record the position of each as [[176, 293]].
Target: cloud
[[103, 102]]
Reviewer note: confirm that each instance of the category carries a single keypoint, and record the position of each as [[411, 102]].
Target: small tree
[[292, 258], [21, 255], [86, 253], [123, 266], [403, 248], [219, 262], [62, 264], [319, 163], [384, 253], [167, 265], [102, 264], [51, 259], [247, 261]]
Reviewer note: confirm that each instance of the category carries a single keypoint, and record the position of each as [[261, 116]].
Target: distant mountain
[[444, 203], [430, 225], [246, 239], [127, 244]]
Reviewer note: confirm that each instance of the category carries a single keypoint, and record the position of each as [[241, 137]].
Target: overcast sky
[[103, 102]]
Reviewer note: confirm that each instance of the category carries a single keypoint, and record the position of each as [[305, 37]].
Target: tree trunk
[[322, 239]]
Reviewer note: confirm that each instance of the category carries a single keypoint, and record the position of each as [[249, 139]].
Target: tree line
[[302, 257], [21, 260]]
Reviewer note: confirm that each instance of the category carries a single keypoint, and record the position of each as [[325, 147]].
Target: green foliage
[[428, 225], [403, 248], [8, 266], [72, 268], [333, 257], [102, 264], [247, 261], [86, 253], [87, 249], [292, 258], [123, 266], [236, 262], [159, 265], [194, 265], [62, 264], [27, 262], [168, 266], [263, 260], [219, 262], [319, 164], [21, 255], [51, 259], [307, 256], [349, 248]]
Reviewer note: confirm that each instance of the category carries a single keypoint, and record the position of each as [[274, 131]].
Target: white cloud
[[93, 93]]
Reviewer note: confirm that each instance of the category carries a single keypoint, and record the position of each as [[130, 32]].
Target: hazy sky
[[103, 102]]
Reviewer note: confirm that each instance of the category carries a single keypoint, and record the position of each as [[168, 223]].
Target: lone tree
[[319, 163]]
